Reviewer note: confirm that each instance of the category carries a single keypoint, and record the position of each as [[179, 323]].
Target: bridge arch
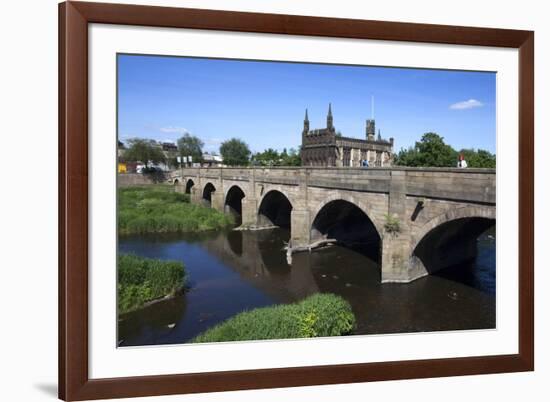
[[348, 224], [451, 237], [352, 200], [274, 209], [207, 192], [233, 203], [189, 185], [450, 215]]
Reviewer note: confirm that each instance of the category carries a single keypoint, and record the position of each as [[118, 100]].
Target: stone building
[[327, 147]]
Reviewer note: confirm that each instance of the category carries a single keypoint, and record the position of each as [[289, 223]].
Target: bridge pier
[[249, 212], [179, 188], [196, 194], [217, 200], [396, 260], [300, 223]]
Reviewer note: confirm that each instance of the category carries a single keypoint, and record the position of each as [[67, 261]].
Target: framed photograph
[[260, 200]]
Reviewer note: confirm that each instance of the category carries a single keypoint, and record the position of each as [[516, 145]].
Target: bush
[[158, 209], [318, 315], [141, 280], [391, 224]]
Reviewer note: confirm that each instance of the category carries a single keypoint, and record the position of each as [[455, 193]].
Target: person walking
[[462, 162]]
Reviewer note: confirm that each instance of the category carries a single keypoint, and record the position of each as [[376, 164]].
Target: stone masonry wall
[[420, 199]]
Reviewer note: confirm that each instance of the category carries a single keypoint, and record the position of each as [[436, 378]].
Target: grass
[[141, 280], [391, 224], [158, 209], [317, 315]]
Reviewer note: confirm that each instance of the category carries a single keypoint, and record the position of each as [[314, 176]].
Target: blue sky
[[263, 103]]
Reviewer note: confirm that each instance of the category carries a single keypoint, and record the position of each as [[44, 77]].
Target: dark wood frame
[[74, 17]]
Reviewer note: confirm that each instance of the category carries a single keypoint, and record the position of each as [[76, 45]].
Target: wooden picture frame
[[74, 381]]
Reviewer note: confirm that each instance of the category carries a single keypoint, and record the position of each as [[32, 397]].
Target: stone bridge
[[419, 220]]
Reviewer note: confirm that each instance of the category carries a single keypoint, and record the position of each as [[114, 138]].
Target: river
[[239, 270]]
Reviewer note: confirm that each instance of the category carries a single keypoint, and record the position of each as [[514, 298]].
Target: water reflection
[[239, 270]]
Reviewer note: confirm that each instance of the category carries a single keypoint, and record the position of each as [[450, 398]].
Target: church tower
[[330, 125], [306, 124], [370, 130]]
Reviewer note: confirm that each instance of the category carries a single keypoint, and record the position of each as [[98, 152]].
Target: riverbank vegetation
[[142, 280], [158, 209], [317, 315]]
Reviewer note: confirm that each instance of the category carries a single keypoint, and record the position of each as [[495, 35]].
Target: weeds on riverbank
[[158, 209], [141, 280], [318, 315]]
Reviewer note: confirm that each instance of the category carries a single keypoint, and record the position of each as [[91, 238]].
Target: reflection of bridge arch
[[188, 186], [257, 257], [450, 237], [270, 246], [274, 210], [235, 241], [233, 203], [207, 193]]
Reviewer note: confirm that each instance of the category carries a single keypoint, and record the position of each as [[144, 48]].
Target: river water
[[239, 270]]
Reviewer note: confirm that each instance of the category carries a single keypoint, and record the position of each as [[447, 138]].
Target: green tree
[[190, 145], [292, 158], [144, 151], [172, 161], [171, 158], [431, 150], [235, 152], [479, 159], [269, 157]]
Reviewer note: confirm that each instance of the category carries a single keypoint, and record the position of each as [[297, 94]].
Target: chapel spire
[[330, 124]]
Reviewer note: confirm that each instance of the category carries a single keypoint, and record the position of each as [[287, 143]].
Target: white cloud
[[173, 129], [469, 104]]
